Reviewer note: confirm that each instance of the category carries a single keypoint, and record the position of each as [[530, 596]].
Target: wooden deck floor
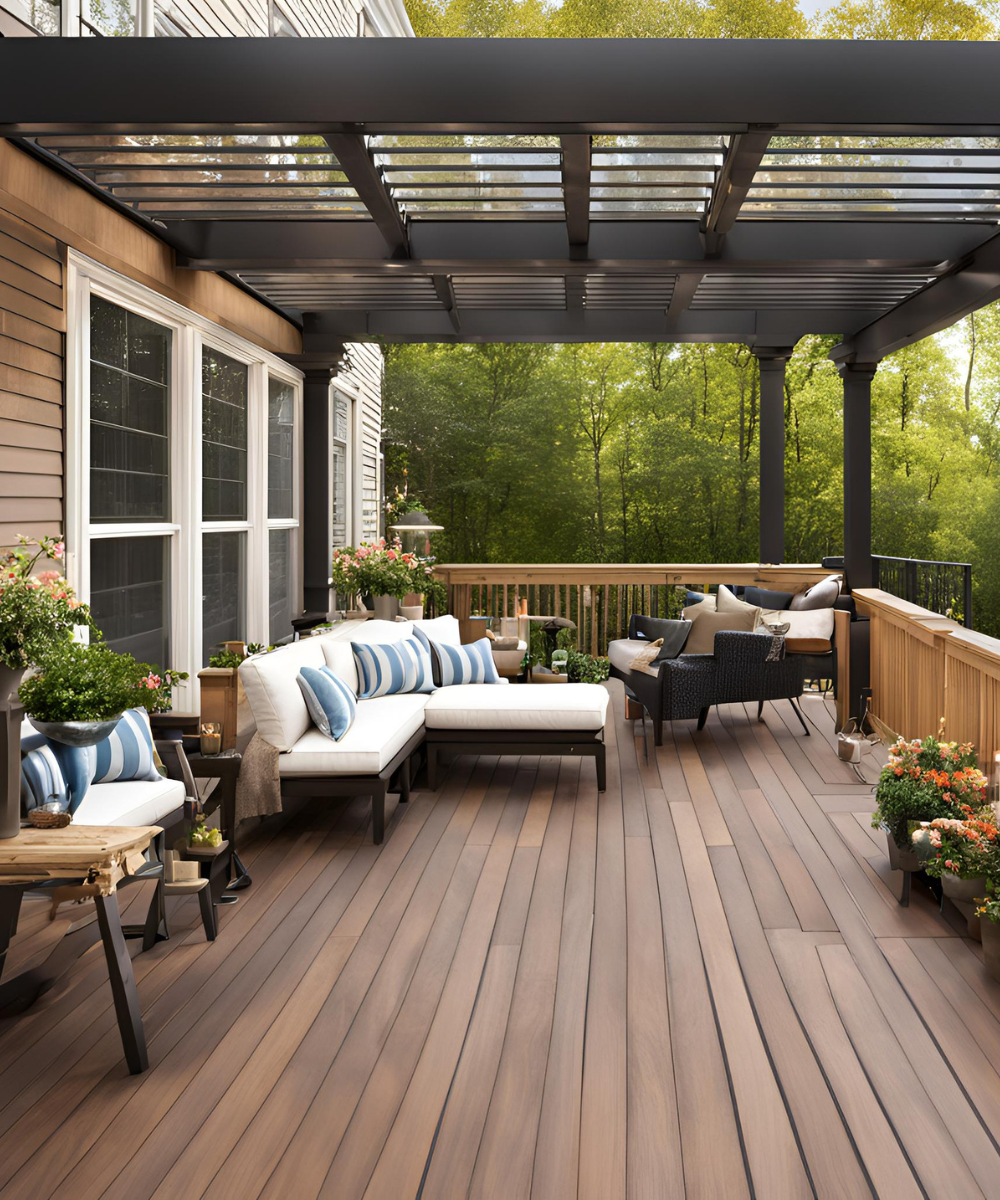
[[698, 985]]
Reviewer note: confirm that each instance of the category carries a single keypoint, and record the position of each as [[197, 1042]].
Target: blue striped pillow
[[42, 778], [472, 663], [127, 751], [392, 667], [331, 703]]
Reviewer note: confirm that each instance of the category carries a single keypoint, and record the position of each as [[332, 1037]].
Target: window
[[224, 437], [223, 581], [183, 446], [342, 532], [45, 16], [130, 596], [107, 18], [129, 414]]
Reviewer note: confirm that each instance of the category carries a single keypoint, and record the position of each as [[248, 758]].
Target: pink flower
[[152, 682], [58, 550], [391, 555]]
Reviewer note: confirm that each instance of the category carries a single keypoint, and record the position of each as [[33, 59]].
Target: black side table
[[226, 769]]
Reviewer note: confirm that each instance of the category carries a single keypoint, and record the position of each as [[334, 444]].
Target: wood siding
[[32, 327], [365, 372]]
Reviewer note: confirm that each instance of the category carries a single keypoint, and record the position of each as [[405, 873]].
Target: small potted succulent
[[921, 782], [79, 693], [36, 611]]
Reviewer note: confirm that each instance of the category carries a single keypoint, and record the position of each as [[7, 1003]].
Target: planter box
[[220, 700], [902, 860], [991, 947], [968, 891]]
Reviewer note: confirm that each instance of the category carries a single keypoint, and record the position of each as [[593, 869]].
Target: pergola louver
[[555, 190]]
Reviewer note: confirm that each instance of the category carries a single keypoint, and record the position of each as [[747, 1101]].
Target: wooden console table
[[77, 862]]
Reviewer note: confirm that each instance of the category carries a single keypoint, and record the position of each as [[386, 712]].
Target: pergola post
[[857, 379], [772, 360], [317, 489]]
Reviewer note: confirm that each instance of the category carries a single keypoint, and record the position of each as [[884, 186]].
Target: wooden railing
[[599, 597], [925, 667]]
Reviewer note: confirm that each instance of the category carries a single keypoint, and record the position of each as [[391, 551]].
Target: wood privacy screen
[[598, 597], [925, 667]]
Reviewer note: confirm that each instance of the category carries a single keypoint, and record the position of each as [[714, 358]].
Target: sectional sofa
[[374, 756]]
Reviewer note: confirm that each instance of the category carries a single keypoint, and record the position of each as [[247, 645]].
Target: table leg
[[123, 987], [10, 907]]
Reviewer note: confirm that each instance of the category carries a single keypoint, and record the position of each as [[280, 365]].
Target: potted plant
[[922, 782], [80, 692], [961, 853], [220, 691], [379, 569], [36, 611]]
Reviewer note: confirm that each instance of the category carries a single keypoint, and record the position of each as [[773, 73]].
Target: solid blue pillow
[[472, 663], [388, 668], [331, 703]]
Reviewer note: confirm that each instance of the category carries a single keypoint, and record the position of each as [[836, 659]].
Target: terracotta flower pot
[[966, 890], [991, 946]]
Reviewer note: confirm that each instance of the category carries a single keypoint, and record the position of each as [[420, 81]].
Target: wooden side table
[[77, 862]]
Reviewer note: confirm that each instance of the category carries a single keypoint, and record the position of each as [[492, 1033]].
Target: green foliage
[[226, 659], [584, 668], [87, 683]]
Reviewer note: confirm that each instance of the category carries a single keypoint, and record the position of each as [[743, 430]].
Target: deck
[[699, 985]]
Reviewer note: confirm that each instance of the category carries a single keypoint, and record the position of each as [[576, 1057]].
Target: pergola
[[529, 190]]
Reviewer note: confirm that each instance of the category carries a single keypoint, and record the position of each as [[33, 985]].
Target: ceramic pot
[[991, 946], [902, 860], [966, 890], [76, 733], [412, 612], [386, 608], [10, 681]]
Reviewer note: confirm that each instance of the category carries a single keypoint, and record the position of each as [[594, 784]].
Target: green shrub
[[88, 683]]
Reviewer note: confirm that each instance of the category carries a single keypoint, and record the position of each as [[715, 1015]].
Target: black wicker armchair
[[745, 667]]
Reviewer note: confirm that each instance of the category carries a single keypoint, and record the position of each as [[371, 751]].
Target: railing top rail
[[923, 562], [630, 573]]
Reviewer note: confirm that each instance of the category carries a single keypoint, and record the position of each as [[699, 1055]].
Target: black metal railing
[[943, 587]]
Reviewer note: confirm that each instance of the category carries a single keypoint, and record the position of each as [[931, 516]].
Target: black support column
[[772, 360], [317, 488], [857, 379]]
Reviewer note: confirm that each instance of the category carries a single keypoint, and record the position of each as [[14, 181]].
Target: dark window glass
[[281, 586], [44, 15], [223, 567], [280, 442], [130, 595], [224, 437], [129, 415]]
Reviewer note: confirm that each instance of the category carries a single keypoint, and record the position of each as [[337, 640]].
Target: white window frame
[[185, 528], [353, 473]]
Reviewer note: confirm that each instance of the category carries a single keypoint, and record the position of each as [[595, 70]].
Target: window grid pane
[[129, 415], [280, 448], [281, 586], [130, 596], [223, 566], [339, 495], [224, 437]]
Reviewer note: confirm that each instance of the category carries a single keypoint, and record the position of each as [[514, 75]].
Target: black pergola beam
[[767, 327], [445, 291], [743, 157], [322, 85], [364, 177], [540, 247], [972, 283], [576, 186]]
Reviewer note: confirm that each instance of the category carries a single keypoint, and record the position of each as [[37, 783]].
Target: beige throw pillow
[[643, 661], [728, 602], [705, 625]]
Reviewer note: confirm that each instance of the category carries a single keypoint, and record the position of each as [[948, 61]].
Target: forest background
[[649, 452]]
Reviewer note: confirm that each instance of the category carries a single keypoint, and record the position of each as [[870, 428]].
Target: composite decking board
[[124, 1111], [451, 871], [769, 894], [511, 994], [265, 1140], [710, 1138], [776, 1166], [885, 1161], [901, 1091], [834, 1169], [193, 1095]]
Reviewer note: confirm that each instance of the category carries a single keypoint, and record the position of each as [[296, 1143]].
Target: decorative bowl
[[76, 733]]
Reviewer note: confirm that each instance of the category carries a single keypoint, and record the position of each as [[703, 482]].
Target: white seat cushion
[[444, 629], [622, 651], [130, 802], [271, 684], [381, 728], [527, 706]]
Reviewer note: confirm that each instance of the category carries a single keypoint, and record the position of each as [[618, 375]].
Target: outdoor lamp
[[412, 527]]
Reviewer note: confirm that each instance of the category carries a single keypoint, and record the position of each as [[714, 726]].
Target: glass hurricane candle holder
[[211, 738]]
